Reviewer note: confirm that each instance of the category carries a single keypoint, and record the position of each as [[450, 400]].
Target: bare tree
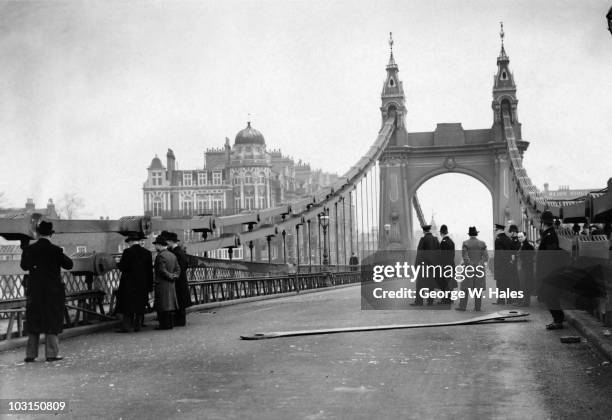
[[69, 206]]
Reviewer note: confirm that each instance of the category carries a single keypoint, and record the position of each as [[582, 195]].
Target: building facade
[[565, 193], [233, 178]]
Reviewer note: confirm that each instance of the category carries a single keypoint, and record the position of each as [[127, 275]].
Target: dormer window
[[156, 178]]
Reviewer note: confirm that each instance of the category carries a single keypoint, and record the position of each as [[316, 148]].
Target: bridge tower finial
[[391, 59]]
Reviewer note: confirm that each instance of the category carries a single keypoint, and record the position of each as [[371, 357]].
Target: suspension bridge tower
[[410, 159]]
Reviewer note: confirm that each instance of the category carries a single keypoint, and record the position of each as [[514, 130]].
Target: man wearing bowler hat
[[474, 253], [167, 271], [447, 258], [502, 261], [428, 254], [136, 282], [46, 293], [181, 285]]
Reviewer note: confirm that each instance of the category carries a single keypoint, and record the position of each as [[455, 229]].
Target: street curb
[[13, 343], [592, 330]]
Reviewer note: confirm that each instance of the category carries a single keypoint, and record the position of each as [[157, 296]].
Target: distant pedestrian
[[428, 254], [447, 258], [167, 271], [502, 261], [354, 262], [136, 282], [474, 253], [181, 284], [525, 264], [45, 293]]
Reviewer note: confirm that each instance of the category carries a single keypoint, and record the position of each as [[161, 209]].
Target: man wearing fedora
[[136, 282], [502, 261], [167, 271], [474, 253], [181, 285], [46, 293]]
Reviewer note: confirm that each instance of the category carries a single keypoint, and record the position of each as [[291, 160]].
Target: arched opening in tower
[[391, 111], [457, 201], [506, 107]]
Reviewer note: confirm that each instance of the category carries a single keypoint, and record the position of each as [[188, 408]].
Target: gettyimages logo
[[394, 279]]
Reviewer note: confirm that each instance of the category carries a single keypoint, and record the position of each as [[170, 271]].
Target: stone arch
[[461, 170]]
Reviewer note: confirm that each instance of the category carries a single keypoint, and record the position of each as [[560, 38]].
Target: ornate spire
[[502, 53], [391, 59]]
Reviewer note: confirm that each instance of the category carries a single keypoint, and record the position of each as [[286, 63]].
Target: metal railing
[[206, 284]]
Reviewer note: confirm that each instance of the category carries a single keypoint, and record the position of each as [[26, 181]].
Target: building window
[[157, 207], [187, 208], [248, 178], [187, 180], [237, 203], [262, 202], [157, 178], [201, 205], [81, 249], [249, 202], [262, 178], [217, 203], [216, 178], [202, 178]]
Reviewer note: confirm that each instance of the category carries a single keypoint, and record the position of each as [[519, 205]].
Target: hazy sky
[[91, 91]]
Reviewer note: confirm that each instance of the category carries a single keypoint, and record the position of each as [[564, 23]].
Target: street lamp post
[[324, 221]]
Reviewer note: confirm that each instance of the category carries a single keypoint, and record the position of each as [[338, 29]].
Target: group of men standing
[[441, 253], [514, 266], [166, 276]]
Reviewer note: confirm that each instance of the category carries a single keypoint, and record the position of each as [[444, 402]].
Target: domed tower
[[250, 170], [504, 94]]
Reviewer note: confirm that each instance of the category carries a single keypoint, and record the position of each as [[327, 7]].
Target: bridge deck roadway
[[515, 370]]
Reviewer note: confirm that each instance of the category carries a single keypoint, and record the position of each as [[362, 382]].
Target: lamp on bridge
[[609, 18], [324, 223]]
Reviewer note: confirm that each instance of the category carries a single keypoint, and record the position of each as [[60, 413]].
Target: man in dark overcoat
[[136, 282], [502, 261], [167, 271], [548, 262], [447, 258], [428, 254], [46, 293], [181, 285]]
